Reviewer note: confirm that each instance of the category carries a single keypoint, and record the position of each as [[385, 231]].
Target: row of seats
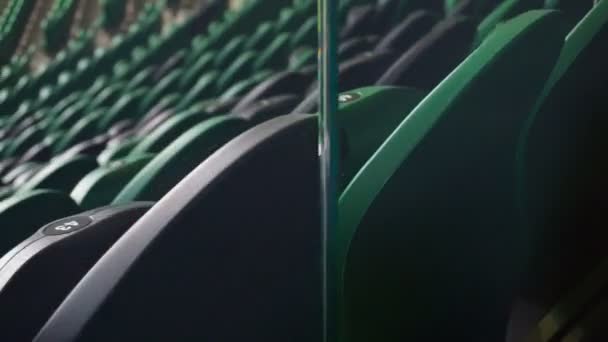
[[78, 63], [17, 66], [456, 119], [12, 23]]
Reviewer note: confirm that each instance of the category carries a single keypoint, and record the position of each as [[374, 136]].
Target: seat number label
[[66, 226]]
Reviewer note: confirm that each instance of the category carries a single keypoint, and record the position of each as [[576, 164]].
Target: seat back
[[428, 227]]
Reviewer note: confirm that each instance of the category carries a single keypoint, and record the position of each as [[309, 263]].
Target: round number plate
[[67, 225], [348, 97]]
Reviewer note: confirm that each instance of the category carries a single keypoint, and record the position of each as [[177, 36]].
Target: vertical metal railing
[[328, 154]]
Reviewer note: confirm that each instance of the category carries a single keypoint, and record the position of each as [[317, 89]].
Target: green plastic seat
[[60, 174], [117, 151], [251, 15], [11, 98], [106, 97], [261, 37], [54, 137], [506, 10], [305, 35], [240, 88], [83, 129], [580, 63], [178, 159], [27, 174], [24, 141], [203, 89], [562, 165], [428, 226], [175, 60], [159, 90], [100, 186], [125, 71], [139, 53], [45, 94], [62, 105], [17, 171], [167, 102], [3, 145], [474, 8], [201, 40], [288, 20], [239, 69], [274, 55], [24, 213], [191, 75], [23, 111], [449, 5], [69, 116], [85, 72], [364, 133], [199, 47], [64, 85], [141, 79], [302, 57], [127, 107], [170, 130], [11, 72], [215, 28], [6, 192], [229, 52]]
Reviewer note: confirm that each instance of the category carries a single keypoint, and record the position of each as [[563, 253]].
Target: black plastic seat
[[270, 107], [153, 123], [355, 46], [291, 82], [91, 147], [359, 21], [40, 152], [562, 170], [175, 61], [433, 57], [410, 30], [56, 257], [256, 270]]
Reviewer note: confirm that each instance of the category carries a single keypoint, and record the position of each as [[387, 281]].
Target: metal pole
[[328, 154]]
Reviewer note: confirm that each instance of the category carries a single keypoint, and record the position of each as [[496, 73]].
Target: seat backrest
[[31, 209], [428, 226], [562, 164], [254, 264], [367, 116], [432, 57], [56, 256], [179, 158], [412, 28], [574, 10]]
